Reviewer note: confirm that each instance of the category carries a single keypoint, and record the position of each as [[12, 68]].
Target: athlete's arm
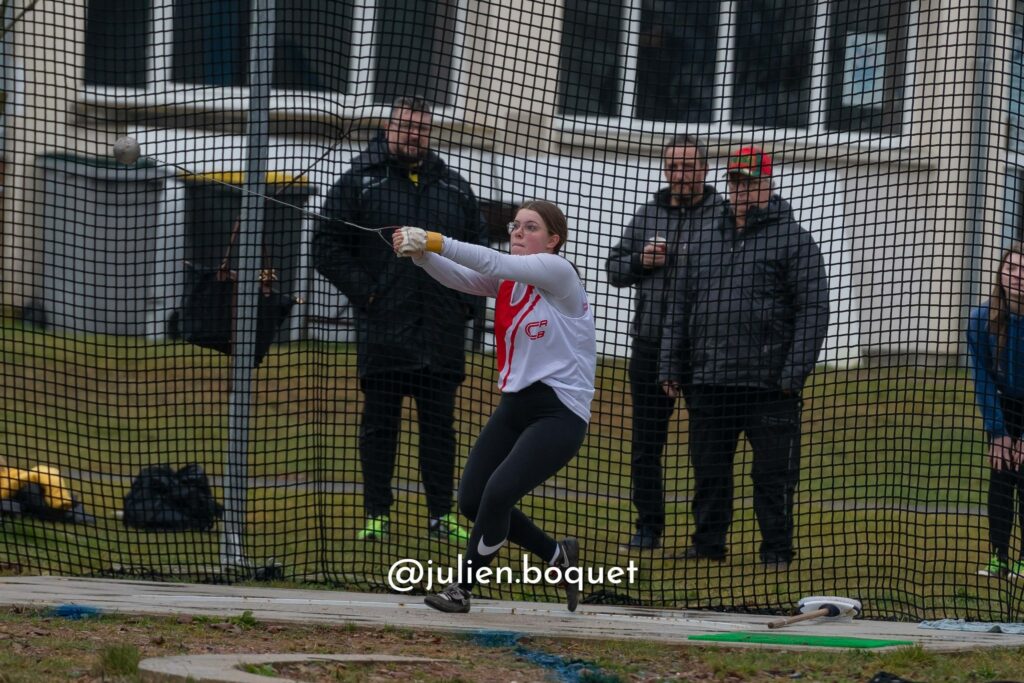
[[451, 274], [548, 272]]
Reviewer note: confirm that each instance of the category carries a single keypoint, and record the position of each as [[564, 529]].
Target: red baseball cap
[[751, 162]]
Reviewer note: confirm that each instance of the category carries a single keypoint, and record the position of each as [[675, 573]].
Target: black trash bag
[[206, 314], [164, 500]]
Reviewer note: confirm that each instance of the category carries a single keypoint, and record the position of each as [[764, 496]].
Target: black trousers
[[378, 435], [771, 422], [530, 436], [1003, 484], [652, 412]]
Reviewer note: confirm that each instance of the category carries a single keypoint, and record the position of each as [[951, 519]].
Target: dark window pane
[[774, 52], [1018, 209], [115, 42], [868, 56], [210, 42], [312, 43], [589, 67], [415, 43], [675, 71], [1015, 107]]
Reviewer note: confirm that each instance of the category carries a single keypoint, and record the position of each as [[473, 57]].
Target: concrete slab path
[[371, 609]]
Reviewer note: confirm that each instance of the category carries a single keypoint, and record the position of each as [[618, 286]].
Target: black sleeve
[[336, 246], [623, 265], [809, 284], [674, 360], [474, 231]]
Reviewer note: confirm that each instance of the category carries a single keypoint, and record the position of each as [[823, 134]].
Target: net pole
[[978, 166], [240, 400]]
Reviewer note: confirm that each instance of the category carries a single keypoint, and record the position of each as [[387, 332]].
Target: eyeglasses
[[528, 227]]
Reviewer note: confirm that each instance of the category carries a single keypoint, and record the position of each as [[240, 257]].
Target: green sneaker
[[376, 529], [996, 567], [447, 528]]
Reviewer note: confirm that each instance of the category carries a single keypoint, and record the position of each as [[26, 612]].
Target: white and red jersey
[[543, 325]]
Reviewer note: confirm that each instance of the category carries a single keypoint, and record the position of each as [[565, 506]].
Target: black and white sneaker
[[570, 557], [453, 599]]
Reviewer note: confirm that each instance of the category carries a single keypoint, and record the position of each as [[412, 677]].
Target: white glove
[[414, 241]]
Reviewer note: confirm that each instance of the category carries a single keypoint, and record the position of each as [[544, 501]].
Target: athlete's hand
[[1001, 453], [671, 389], [408, 241]]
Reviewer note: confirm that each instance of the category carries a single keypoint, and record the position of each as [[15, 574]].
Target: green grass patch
[[890, 507]]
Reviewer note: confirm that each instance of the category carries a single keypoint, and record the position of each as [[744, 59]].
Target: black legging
[[530, 436], [1003, 483]]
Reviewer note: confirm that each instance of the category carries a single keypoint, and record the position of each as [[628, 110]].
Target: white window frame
[[815, 134], [161, 92]]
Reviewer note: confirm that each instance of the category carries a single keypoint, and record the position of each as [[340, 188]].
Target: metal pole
[[240, 400], [977, 167]]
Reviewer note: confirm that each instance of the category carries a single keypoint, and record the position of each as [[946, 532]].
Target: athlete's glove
[[417, 240]]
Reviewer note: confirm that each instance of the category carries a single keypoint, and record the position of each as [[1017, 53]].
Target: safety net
[[773, 238]]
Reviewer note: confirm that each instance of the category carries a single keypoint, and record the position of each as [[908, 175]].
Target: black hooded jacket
[[405, 320], [750, 308]]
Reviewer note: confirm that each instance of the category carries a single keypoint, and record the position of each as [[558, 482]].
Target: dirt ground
[[36, 647]]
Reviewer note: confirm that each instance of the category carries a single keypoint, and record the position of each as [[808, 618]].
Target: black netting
[[848, 414]]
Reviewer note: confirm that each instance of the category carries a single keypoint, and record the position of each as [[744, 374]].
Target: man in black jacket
[[643, 259], [410, 330], [744, 331]]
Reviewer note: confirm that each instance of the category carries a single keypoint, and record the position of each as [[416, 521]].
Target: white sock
[[558, 551]]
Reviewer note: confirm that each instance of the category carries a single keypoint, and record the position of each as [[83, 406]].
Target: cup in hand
[[654, 252]]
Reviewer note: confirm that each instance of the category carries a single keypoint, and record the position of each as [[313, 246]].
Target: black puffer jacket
[[750, 309], [677, 226], [405, 320]]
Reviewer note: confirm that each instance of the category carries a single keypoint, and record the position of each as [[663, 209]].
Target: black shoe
[[695, 553], [453, 599], [643, 539], [775, 562], [569, 556]]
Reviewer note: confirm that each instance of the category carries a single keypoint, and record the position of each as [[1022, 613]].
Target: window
[[737, 62], [868, 58], [589, 65], [415, 43], [773, 55], [115, 43], [211, 38], [1015, 106], [371, 49], [676, 58], [312, 44]]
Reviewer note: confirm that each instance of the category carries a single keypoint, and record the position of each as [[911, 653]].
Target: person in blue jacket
[[995, 339]]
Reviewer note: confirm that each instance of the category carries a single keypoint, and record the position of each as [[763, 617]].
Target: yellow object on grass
[[55, 491]]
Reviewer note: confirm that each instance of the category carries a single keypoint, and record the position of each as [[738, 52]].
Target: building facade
[[895, 125]]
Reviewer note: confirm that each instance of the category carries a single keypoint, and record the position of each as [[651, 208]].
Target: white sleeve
[[552, 274], [451, 274]]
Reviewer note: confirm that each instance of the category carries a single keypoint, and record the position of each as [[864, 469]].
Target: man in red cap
[[744, 329]]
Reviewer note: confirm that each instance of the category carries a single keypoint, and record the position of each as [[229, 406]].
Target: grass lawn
[[890, 507]]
